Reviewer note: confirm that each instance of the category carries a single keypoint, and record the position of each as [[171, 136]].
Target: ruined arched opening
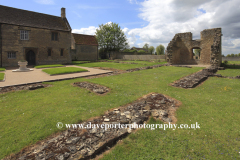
[[196, 53]]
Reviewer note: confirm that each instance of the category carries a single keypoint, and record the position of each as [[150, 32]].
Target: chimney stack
[[63, 13]]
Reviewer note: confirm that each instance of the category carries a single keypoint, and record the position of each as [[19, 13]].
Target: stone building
[[180, 49], [84, 47], [35, 37]]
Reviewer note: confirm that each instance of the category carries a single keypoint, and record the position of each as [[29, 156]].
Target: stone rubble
[[96, 88], [195, 79], [78, 143], [23, 87]]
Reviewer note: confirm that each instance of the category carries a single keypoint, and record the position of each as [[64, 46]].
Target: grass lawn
[[233, 62], [2, 76], [2, 69], [65, 70], [120, 66], [229, 72], [49, 66], [79, 62], [29, 116]]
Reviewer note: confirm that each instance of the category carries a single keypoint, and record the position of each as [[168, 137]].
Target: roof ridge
[[31, 11]]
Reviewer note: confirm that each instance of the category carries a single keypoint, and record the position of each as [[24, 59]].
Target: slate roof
[[9, 15], [85, 39]]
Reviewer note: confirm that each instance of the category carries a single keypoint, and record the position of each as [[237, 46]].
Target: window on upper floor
[[11, 55], [54, 36], [24, 35]]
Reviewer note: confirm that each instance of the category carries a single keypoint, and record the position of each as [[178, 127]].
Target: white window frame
[[24, 35], [11, 55]]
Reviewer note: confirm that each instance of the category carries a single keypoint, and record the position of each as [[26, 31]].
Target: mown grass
[[2, 76], [2, 69], [79, 62], [65, 70], [229, 72], [49, 66], [29, 116], [120, 66], [233, 62]]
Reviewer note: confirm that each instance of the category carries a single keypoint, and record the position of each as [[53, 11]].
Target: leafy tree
[[160, 50], [146, 46], [141, 51], [223, 55], [151, 49], [228, 55], [232, 55], [110, 37], [239, 54]]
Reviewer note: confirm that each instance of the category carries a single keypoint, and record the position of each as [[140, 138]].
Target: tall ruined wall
[[180, 49], [39, 42]]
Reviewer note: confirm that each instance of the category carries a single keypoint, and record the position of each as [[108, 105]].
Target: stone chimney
[[63, 13]]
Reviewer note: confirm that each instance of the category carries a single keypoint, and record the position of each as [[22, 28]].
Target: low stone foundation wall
[[86, 143]]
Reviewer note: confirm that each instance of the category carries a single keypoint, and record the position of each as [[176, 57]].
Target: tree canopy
[[151, 49], [110, 37], [146, 46], [160, 49]]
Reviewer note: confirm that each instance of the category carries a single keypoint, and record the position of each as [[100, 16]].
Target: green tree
[[232, 55], [110, 37], [141, 51], [160, 50], [239, 54], [146, 46], [228, 55], [151, 49]]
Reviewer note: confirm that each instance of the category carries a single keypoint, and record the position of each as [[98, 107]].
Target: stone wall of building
[[180, 49], [85, 52], [39, 42]]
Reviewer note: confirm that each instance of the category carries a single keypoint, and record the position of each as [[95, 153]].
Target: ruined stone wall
[[85, 53], [180, 49], [39, 42]]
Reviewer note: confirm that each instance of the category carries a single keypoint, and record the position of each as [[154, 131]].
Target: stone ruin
[[180, 49]]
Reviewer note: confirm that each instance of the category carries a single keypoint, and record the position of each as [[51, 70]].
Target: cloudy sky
[[147, 21]]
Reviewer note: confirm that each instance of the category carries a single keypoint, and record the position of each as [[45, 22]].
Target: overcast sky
[[151, 21]]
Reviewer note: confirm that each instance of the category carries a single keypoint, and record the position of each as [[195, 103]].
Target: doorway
[[30, 57]]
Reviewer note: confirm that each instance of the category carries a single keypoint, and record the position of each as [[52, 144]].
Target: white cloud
[[133, 1], [48, 2], [166, 18], [89, 31]]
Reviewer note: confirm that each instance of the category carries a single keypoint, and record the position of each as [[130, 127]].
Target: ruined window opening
[[196, 53]]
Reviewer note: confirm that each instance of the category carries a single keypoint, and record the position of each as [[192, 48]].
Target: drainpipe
[[1, 42], [97, 53]]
